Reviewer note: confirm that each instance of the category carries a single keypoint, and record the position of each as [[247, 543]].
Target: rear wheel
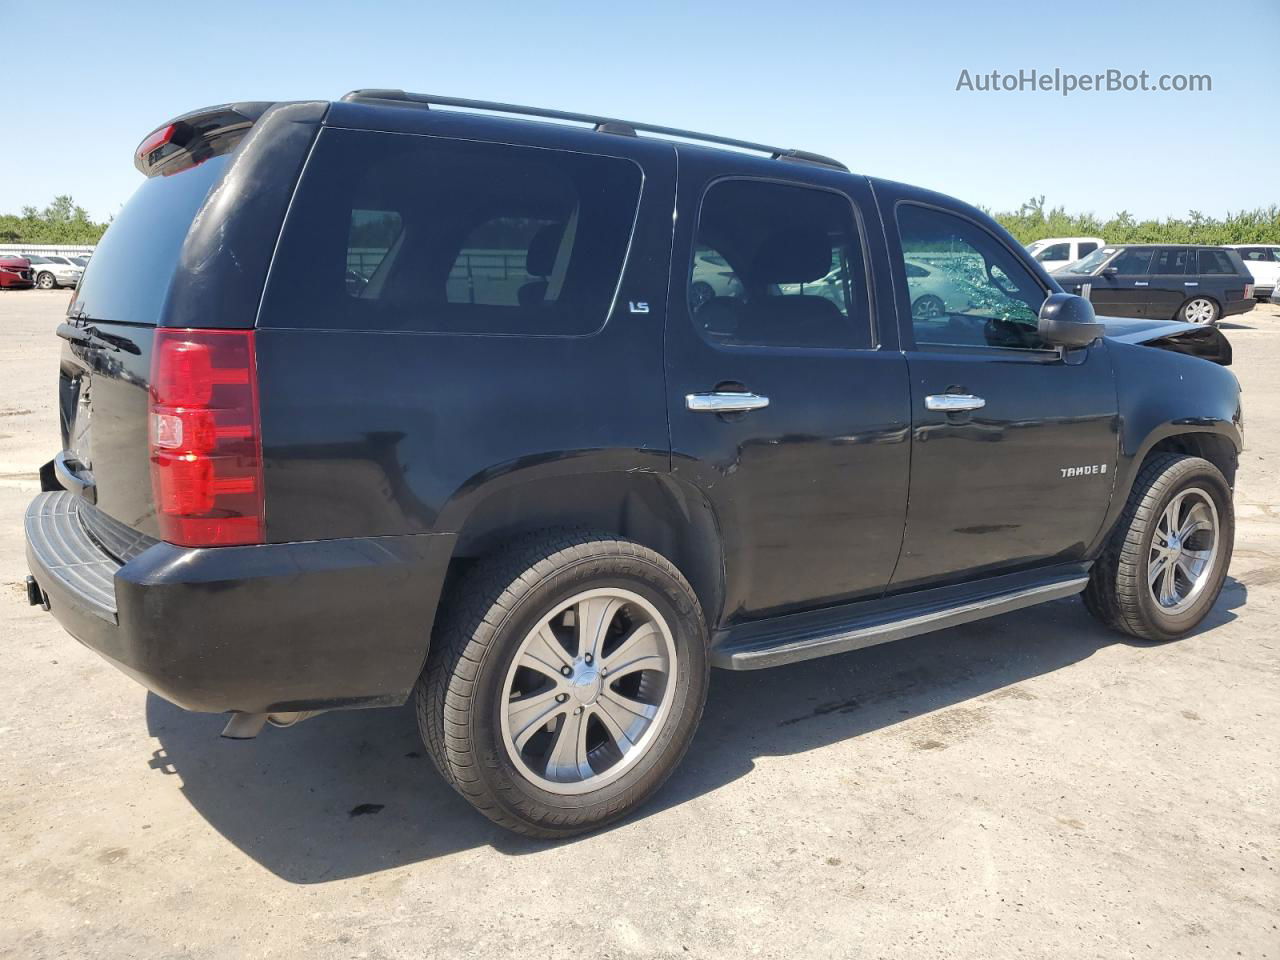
[[566, 683], [1165, 564], [46, 281], [1199, 310]]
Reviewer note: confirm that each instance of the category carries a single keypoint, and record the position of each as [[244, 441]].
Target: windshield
[[1091, 262]]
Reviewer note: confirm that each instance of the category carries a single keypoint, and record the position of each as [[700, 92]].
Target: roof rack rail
[[624, 128]]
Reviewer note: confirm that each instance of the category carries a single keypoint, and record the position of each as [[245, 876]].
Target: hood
[[1194, 339]]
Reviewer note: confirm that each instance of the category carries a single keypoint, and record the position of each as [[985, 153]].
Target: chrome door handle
[[954, 402], [725, 402], [1192, 284], [1141, 283]]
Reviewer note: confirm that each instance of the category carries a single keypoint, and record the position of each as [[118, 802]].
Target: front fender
[[1162, 395]]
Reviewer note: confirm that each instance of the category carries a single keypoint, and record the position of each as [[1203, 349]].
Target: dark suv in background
[[1164, 281], [537, 421]]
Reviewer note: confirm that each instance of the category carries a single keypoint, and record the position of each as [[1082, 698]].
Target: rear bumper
[[1263, 291], [1235, 307], [320, 624]]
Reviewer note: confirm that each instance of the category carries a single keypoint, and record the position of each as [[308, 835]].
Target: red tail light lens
[[206, 438]]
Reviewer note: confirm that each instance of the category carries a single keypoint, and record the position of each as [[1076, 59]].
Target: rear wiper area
[[86, 334]]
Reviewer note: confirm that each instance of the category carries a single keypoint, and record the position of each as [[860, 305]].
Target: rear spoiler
[[194, 137]]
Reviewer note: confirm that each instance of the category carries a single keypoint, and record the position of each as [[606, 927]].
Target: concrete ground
[[1029, 786]]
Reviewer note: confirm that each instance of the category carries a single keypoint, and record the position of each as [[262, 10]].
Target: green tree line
[[1033, 222], [62, 221]]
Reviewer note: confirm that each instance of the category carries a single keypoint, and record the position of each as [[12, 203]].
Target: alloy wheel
[[1183, 550], [1199, 310], [588, 691]]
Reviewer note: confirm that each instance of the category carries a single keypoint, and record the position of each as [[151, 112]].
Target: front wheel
[[1199, 310], [565, 683], [1166, 561], [46, 281]]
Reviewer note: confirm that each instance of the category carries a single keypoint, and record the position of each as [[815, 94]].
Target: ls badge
[[638, 306]]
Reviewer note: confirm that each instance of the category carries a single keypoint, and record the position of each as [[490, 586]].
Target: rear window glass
[[399, 232], [128, 278]]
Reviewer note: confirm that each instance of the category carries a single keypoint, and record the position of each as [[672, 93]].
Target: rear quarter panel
[[373, 433]]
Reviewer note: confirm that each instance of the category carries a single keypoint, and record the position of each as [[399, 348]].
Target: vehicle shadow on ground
[[351, 793]]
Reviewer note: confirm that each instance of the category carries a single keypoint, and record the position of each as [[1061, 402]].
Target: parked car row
[[1164, 281], [28, 270]]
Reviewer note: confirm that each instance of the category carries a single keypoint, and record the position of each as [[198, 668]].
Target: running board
[[755, 652]]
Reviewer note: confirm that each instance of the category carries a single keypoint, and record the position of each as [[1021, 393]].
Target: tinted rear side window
[[778, 266], [128, 278], [398, 232], [1175, 261], [1216, 263]]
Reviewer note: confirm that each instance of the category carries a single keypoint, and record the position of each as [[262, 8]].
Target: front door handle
[[1141, 283], [954, 402], [725, 402]]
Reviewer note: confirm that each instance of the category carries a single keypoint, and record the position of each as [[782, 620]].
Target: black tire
[[1210, 319], [46, 281], [493, 608], [1118, 593]]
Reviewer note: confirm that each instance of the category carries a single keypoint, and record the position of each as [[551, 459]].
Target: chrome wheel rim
[[1199, 311], [588, 691], [1183, 550]]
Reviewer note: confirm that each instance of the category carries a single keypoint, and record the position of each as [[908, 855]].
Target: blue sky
[[874, 85]]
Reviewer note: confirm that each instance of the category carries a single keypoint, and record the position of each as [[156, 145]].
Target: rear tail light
[[206, 438], [1248, 291]]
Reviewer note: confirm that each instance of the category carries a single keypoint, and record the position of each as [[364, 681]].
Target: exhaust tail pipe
[[246, 726]]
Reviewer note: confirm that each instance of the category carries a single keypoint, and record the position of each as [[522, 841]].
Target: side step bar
[[793, 645]]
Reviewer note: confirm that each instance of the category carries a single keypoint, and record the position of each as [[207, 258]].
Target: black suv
[[538, 421], [1166, 281]]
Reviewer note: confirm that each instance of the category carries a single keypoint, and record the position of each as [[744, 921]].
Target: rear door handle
[[1141, 283], [954, 402], [725, 402], [1189, 283]]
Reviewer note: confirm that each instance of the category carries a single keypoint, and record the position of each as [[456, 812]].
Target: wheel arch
[[652, 509], [1213, 440]]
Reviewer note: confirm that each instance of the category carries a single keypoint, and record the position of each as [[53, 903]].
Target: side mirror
[[1110, 271], [1068, 321]]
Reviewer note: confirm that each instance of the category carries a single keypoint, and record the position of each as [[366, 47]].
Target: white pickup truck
[[1263, 261], [1054, 253]]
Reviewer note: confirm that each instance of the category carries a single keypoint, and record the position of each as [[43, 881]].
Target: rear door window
[[1175, 261], [1086, 249], [400, 232], [777, 265]]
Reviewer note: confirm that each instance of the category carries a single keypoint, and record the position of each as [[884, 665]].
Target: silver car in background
[[52, 271]]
